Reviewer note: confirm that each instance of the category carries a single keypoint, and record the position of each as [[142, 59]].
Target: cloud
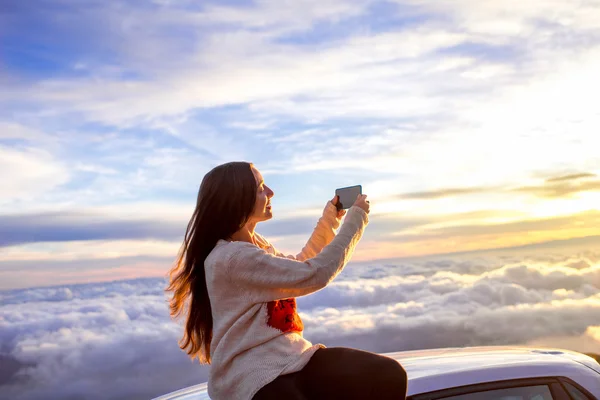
[[95, 262], [153, 221], [441, 193], [517, 19], [253, 33], [588, 342], [139, 222], [30, 173], [115, 340], [464, 234], [531, 225], [102, 341], [269, 14], [74, 226], [563, 186], [428, 307], [556, 187], [118, 242], [571, 177], [92, 168], [11, 130]]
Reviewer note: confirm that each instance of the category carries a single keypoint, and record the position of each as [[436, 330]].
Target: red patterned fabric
[[283, 316]]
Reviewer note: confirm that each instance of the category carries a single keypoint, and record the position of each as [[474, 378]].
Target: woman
[[238, 295]]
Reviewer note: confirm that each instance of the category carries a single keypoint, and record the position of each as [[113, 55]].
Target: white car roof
[[437, 369], [431, 370]]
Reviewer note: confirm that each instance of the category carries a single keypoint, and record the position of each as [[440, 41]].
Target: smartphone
[[347, 196]]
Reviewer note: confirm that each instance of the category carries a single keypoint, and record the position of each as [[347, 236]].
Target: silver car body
[[439, 369]]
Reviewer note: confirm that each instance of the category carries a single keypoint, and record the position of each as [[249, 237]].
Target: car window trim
[[583, 390], [557, 390]]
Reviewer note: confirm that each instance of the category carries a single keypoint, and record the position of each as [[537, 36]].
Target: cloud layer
[[103, 341], [115, 340]]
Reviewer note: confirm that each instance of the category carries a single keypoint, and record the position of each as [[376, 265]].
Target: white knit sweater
[[257, 333]]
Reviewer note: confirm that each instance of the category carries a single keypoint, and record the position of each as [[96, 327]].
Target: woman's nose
[[270, 193]]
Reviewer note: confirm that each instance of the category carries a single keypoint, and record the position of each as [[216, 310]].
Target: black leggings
[[340, 373]]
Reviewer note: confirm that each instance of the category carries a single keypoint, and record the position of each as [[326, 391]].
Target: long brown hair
[[225, 202]]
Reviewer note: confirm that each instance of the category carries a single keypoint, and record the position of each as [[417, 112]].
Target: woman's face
[[262, 207]]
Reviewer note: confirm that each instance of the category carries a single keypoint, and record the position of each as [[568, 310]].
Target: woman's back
[[246, 352], [257, 333]]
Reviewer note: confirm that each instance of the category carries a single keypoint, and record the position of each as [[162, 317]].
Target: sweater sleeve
[[266, 277], [322, 235]]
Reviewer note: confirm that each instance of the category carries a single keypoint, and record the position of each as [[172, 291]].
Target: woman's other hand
[[362, 202], [340, 212]]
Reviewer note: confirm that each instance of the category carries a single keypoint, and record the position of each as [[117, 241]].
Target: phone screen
[[348, 196]]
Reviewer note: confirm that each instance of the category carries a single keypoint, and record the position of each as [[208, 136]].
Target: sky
[[471, 125]]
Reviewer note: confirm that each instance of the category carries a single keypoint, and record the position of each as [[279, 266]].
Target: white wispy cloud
[[28, 173]]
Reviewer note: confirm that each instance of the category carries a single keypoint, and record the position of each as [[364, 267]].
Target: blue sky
[[455, 116]]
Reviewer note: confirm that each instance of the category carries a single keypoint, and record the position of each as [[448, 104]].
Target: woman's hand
[[334, 201], [362, 202]]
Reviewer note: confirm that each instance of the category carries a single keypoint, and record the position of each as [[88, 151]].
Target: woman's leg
[[283, 387], [342, 373]]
